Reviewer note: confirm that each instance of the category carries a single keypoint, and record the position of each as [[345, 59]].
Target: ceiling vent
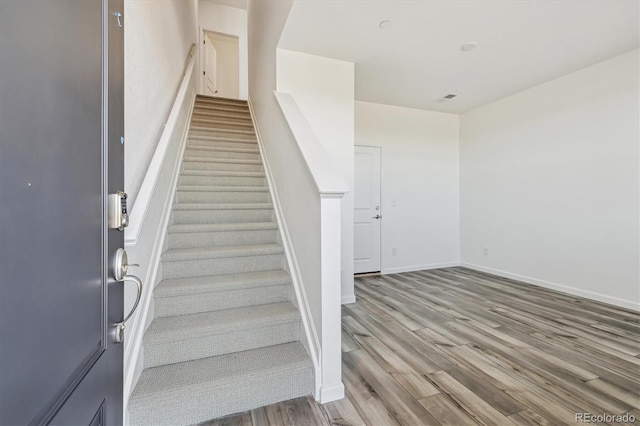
[[446, 97]]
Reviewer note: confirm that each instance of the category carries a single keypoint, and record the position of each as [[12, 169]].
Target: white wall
[[232, 21], [323, 88], [157, 39], [420, 207], [307, 218], [549, 183]]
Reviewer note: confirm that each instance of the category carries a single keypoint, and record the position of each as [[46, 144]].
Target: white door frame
[[201, 55], [379, 148]]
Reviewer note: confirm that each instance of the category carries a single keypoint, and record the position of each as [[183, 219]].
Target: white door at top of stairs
[[210, 67]]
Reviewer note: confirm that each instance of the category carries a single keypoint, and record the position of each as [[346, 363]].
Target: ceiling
[[238, 4], [417, 59]]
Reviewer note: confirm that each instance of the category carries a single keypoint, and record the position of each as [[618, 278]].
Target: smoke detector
[[446, 98]]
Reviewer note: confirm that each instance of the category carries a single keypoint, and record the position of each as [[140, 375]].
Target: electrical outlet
[[394, 251], [485, 251]]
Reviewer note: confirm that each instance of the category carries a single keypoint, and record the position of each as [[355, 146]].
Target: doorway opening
[[220, 63]]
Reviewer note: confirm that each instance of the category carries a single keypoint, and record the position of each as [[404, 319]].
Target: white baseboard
[[331, 393], [311, 341], [414, 268], [558, 287], [348, 299]]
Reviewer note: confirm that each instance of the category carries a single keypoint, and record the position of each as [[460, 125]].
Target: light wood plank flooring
[[458, 347]]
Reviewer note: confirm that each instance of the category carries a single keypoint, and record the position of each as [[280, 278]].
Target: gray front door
[[61, 119]]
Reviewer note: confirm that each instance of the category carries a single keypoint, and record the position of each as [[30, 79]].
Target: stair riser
[[242, 110], [196, 165], [215, 131], [219, 300], [199, 119], [221, 118], [191, 152], [221, 101], [222, 216], [209, 400], [221, 266], [223, 238], [202, 347], [197, 143], [242, 135], [221, 126], [222, 197], [222, 180]]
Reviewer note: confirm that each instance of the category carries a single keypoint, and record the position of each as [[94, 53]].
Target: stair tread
[[223, 149], [220, 98], [221, 139], [277, 359], [222, 206], [173, 255], [193, 326], [233, 131], [215, 283], [222, 173], [222, 106], [224, 226], [221, 188], [220, 160]]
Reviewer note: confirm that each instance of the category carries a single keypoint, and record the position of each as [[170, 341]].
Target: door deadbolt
[[118, 216]]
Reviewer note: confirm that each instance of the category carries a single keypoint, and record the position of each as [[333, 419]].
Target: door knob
[[376, 217]]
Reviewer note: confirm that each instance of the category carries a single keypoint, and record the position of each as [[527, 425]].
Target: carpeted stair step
[[201, 261], [221, 164], [221, 99], [213, 121], [187, 337], [228, 134], [227, 102], [222, 194], [244, 148], [219, 126], [222, 234], [221, 116], [239, 110], [221, 141], [222, 180], [209, 293], [212, 130], [209, 152], [195, 391], [222, 212]]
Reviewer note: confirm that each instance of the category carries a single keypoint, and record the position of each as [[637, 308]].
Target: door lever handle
[[377, 217], [120, 274]]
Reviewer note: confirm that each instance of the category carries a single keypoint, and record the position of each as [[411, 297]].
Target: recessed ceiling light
[[468, 46], [384, 24]]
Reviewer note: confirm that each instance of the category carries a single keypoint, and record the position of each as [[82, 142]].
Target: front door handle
[[120, 268], [376, 217]]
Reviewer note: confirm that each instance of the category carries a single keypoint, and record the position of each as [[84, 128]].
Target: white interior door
[[367, 214], [210, 68]]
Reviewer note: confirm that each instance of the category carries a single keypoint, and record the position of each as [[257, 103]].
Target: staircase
[[225, 337]]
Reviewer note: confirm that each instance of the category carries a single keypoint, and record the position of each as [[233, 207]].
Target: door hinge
[[204, 73], [204, 42]]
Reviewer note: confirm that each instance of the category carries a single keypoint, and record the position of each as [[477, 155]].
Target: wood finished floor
[[458, 347]]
